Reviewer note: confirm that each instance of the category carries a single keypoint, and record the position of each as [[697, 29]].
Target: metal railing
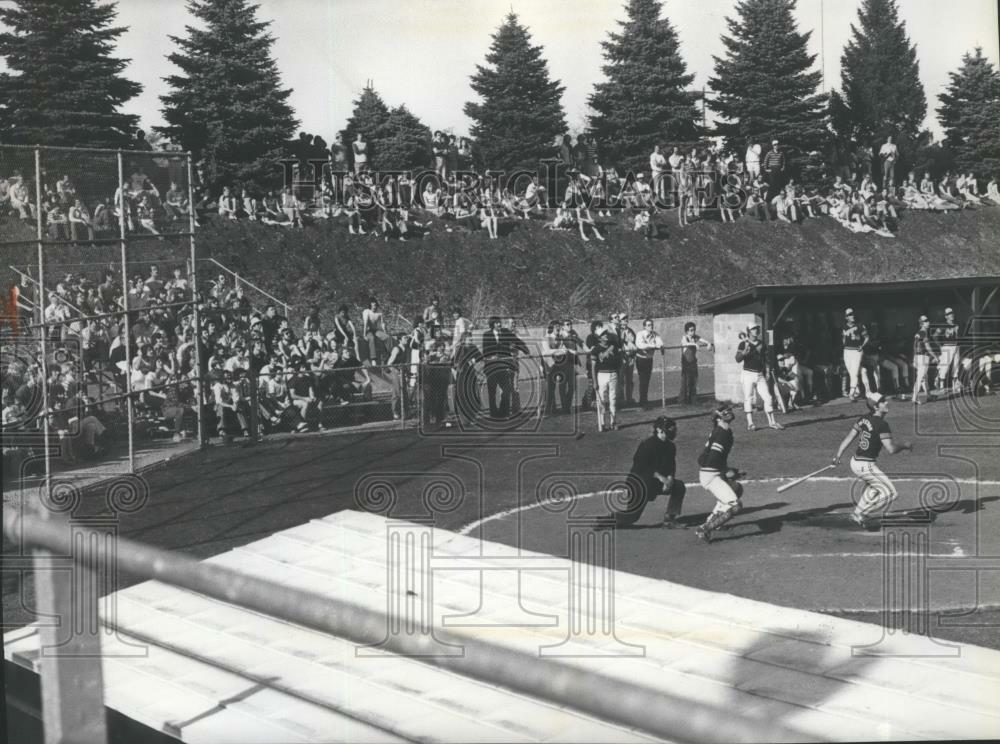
[[72, 686], [241, 280]]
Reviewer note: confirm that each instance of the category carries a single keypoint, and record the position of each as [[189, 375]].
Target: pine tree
[[369, 116], [765, 86], [403, 142], [968, 115], [644, 101], [228, 106], [880, 78], [63, 86], [520, 116]]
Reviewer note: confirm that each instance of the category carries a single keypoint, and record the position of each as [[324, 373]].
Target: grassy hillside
[[537, 274]]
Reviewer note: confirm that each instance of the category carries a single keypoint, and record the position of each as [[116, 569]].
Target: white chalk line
[[825, 478]]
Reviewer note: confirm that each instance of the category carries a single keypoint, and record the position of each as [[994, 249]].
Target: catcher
[[653, 472], [716, 476]]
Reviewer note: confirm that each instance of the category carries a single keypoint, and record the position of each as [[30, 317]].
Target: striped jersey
[[717, 448]]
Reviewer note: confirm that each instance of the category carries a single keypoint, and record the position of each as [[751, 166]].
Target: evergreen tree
[[63, 86], [228, 106], [403, 142], [369, 116], [968, 115], [520, 116], [880, 78], [644, 101], [765, 86]]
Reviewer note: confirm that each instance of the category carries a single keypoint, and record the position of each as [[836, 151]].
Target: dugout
[[815, 314]]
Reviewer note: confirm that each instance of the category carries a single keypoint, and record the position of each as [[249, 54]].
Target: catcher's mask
[[724, 413]]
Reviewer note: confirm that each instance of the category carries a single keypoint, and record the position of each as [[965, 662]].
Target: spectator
[[647, 343], [773, 168], [658, 166], [752, 160], [373, 322], [398, 354], [889, 153], [79, 219], [690, 343], [359, 148]]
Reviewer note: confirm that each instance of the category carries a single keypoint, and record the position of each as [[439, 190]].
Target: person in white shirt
[[690, 343], [753, 161], [658, 166], [647, 343], [889, 153], [992, 192]]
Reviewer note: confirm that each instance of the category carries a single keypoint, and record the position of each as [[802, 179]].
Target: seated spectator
[[56, 221], [228, 408], [176, 203]]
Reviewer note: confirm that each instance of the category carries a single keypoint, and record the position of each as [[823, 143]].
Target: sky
[[422, 52]]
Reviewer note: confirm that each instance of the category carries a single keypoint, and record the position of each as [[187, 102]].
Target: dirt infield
[[796, 548]]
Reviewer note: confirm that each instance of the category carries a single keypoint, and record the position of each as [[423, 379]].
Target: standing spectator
[[560, 373], [359, 148], [626, 375], [435, 374], [773, 167], [397, 360], [690, 343], [566, 151], [373, 323], [752, 160], [439, 146], [499, 346], [465, 357], [889, 154], [647, 343], [658, 166], [607, 359], [674, 161]]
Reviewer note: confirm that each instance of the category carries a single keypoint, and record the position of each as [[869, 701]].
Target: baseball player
[[715, 475], [752, 354], [873, 434], [923, 352], [653, 472], [855, 338], [948, 361]]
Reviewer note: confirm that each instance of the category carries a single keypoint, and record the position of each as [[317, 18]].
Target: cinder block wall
[[725, 331]]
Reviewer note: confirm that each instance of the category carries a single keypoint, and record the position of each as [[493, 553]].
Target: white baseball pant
[[607, 395], [852, 361], [878, 492], [755, 381], [921, 362], [713, 482], [948, 365]]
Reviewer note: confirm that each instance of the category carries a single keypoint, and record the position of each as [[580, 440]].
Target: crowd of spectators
[[66, 214], [457, 194]]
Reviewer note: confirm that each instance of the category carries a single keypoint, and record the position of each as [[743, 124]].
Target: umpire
[[653, 468]]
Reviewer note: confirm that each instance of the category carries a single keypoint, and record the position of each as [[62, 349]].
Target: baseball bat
[[804, 478]]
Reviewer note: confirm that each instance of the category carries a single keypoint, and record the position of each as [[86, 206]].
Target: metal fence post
[[200, 384], [72, 688], [663, 378], [129, 403]]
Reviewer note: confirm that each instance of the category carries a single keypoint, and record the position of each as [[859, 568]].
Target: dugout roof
[[972, 293]]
